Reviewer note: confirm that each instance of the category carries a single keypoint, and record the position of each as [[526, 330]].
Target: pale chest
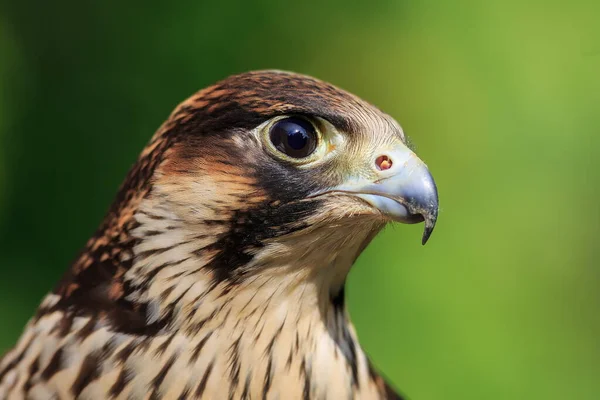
[[279, 359]]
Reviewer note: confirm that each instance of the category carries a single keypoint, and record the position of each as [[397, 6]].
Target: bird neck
[[281, 319], [294, 277], [277, 321], [186, 260]]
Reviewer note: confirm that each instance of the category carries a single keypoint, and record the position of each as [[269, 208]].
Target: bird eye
[[294, 137]]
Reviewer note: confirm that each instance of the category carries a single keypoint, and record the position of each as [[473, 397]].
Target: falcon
[[219, 270]]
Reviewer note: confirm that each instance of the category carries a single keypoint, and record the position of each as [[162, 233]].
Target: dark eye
[[295, 137]]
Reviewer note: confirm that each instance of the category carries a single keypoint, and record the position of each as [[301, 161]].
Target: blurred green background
[[502, 99]]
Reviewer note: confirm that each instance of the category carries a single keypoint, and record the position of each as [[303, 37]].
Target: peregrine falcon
[[219, 270]]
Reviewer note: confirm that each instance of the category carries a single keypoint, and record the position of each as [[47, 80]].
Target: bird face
[[269, 154], [374, 166]]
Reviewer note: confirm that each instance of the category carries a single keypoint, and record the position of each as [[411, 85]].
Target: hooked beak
[[403, 189]]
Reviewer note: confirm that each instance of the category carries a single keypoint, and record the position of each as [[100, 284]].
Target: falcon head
[[265, 173], [277, 164]]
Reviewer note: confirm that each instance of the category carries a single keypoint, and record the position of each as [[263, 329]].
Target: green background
[[502, 99]]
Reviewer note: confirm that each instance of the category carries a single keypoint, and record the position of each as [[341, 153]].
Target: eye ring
[[294, 137]]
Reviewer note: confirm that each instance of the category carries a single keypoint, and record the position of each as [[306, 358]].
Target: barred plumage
[[219, 270]]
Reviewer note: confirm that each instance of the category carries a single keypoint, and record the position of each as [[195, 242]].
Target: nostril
[[383, 162]]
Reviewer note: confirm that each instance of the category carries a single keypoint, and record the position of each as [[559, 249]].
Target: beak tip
[[426, 234], [429, 225]]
